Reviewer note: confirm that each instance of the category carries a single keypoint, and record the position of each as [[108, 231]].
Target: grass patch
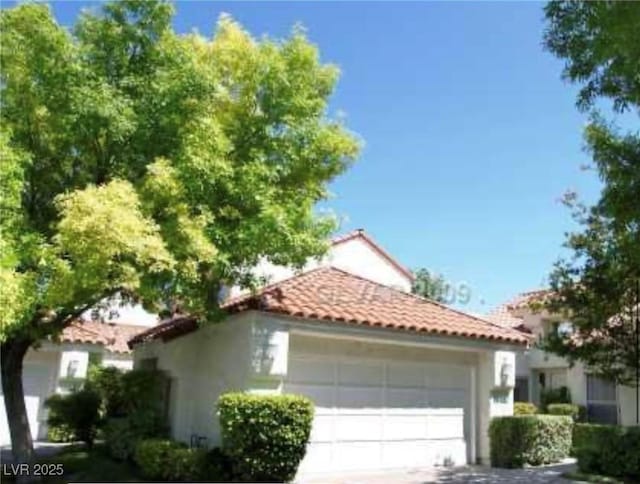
[[584, 477], [91, 465]]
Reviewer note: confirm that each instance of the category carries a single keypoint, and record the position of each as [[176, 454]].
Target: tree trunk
[[13, 352]]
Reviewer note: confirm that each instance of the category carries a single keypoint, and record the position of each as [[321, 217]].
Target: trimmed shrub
[[172, 461], [608, 450], [75, 414], [529, 439], [576, 412], [153, 457], [265, 436], [524, 408]]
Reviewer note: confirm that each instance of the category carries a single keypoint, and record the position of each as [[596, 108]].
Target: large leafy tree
[[149, 165], [595, 287]]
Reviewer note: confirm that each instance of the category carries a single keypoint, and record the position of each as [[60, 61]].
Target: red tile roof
[[113, 336], [360, 233], [335, 296], [507, 314]]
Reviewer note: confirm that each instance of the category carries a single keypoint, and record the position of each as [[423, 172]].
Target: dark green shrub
[[524, 408], [108, 383], [529, 439], [265, 436], [76, 414], [576, 412], [554, 395], [608, 450], [218, 466], [144, 415]]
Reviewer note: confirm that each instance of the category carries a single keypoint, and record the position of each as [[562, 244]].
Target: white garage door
[[376, 414]]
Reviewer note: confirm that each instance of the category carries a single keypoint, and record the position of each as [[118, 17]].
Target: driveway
[[469, 474]]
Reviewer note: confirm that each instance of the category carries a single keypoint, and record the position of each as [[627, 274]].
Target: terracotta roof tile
[[113, 336], [332, 295]]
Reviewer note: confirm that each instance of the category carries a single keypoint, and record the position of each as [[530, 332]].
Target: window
[[602, 404], [521, 390]]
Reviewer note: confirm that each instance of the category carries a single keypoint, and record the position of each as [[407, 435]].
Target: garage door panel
[[381, 414], [355, 399], [321, 395], [402, 399], [445, 426], [357, 455], [310, 371], [404, 375], [403, 454], [360, 374], [318, 457], [404, 427], [322, 429], [445, 398], [358, 427]]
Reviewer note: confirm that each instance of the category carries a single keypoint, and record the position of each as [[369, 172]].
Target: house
[[537, 370], [58, 367], [397, 380]]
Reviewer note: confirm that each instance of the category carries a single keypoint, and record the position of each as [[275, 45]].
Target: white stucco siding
[[123, 361], [355, 256], [202, 365], [40, 373]]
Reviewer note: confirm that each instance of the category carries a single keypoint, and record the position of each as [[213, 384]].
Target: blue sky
[[470, 135]]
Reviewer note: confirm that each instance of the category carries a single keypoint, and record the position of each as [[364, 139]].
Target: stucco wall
[[202, 365], [249, 352], [355, 256]]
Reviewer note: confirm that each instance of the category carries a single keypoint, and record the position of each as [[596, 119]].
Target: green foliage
[[173, 461], [59, 433], [524, 408], [598, 42], [74, 414], [608, 450], [529, 439], [554, 395], [107, 382], [265, 436], [576, 412], [430, 286], [139, 404], [150, 163]]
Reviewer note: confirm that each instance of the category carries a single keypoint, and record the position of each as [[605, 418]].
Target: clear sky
[[470, 135]]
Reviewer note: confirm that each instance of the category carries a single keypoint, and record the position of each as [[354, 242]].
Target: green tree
[[600, 44], [155, 166], [431, 286]]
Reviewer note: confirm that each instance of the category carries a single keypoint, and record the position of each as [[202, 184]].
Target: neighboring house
[[59, 367], [537, 370], [398, 381]]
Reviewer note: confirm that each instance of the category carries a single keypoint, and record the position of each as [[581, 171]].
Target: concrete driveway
[[469, 474]]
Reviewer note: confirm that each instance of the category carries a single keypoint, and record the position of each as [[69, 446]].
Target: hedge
[[524, 408], [170, 460], [74, 416], [529, 439], [265, 436], [577, 412], [608, 450]]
